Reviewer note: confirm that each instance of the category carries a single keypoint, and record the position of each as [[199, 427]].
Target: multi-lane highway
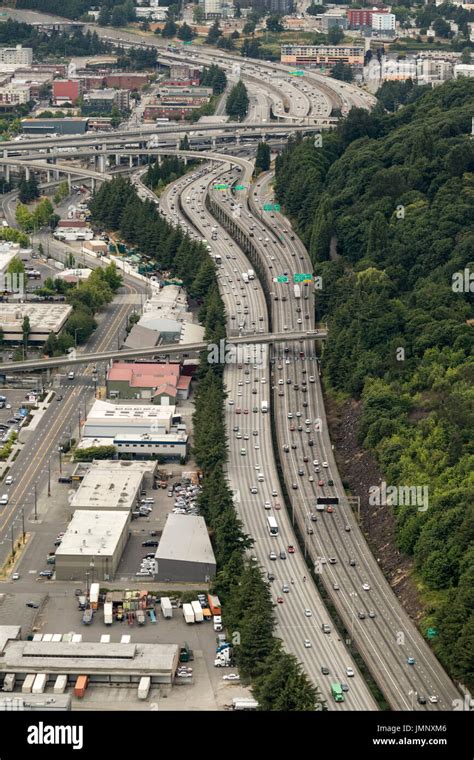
[[289, 379]]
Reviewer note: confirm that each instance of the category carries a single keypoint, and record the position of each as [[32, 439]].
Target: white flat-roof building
[[104, 663], [44, 319], [185, 551], [106, 419], [12, 58], [111, 484], [93, 543], [173, 445]]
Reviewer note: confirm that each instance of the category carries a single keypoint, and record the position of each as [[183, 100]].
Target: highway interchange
[[289, 380]]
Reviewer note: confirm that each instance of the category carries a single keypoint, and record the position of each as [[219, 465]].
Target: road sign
[[432, 632], [280, 278], [239, 187], [271, 207], [188, 42], [302, 278], [297, 73], [221, 187]]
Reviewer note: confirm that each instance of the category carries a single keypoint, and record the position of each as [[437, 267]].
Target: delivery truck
[[94, 595], [214, 604], [108, 613], [188, 613], [251, 274], [27, 685], [244, 703], [60, 684], [81, 686], [297, 290], [9, 682], [197, 609], [166, 607], [264, 407], [144, 687], [40, 683], [245, 276]]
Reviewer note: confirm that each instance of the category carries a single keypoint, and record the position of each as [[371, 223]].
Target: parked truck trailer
[[188, 613], [214, 604], [166, 607]]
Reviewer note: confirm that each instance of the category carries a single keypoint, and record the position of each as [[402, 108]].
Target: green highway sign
[[297, 73], [221, 187], [302, 278], [188, 42], [280, 278], [432, 632], [271, 207], [239, 187]]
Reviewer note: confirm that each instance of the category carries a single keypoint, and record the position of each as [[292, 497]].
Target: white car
[[308, 612], [311, 379], [231, 402], [315, 463], [16, 577], [325, 464], [231, 677], [307, 643], [349, 672], [433, 699], [366, 587], [336, 586]]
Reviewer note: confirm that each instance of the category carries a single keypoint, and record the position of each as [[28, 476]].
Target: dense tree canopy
[[393, 196]]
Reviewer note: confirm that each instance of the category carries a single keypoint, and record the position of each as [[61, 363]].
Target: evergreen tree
[[237, 103]]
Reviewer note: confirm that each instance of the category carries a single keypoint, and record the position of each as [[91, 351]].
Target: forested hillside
[[386, 209]]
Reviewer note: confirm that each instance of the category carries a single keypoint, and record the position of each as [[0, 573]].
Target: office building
[[14, 57]]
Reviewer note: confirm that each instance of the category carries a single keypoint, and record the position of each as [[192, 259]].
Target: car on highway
[[307, 612], [294, 486], [371, 614], [16, 577], [33, 605], [282, 554], [352, 562], [270, 576], [291, 549], [366, 586], [324, 670], [330, 509], [361, 615], [285, 588], [325, 464], [349, 672], [411, 660], [280, 599], [433, 699], [336, 586], [307, 644], [272, 556]]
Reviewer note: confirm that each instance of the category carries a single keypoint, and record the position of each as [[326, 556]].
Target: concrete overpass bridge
[[165, 349]]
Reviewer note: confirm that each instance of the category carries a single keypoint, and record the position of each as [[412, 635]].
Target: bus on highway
[[336, 692], [272, 526]]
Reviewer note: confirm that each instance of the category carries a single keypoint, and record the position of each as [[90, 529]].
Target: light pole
[[23, 525], [13, 544], [36, 502], [60, 450], [49, 477]]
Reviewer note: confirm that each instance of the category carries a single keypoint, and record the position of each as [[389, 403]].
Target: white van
[[9, 480], [4, 499]]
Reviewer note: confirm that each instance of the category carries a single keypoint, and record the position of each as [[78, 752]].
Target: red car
[[320, 482], [291, 549], [330, 509], [276, 505], [280, 599], [238, 411], [292, 428], [246, 411]]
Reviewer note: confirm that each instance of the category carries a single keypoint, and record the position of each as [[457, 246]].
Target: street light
[[49, 477], [60, 451]]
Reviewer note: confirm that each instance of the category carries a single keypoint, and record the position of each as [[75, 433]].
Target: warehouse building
[[185, 552], [106, 419], [44, 319], [173, 446], [93, 543], [159, 383], [70, 125], [113, 485], [103, 663]]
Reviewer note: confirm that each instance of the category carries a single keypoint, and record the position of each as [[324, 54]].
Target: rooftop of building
[[93, 533], [43, 317], [185, 538]]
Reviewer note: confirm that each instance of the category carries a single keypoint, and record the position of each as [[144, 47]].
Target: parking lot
[[58, 612]]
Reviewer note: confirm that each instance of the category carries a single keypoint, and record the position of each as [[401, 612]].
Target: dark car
[[270, 576], [324, 670], [33, 605], [65, 479], [421, 699], [46, 573], [149, 543], [330, 482]]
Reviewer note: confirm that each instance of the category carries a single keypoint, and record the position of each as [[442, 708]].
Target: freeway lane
[[390, 632], [247, 392]]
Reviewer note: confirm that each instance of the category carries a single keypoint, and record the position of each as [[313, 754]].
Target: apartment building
[[321, 55]]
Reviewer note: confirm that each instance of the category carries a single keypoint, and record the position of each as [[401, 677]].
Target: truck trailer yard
[[59, 613]]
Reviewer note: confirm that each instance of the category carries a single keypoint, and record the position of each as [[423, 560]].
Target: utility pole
[[49, 477], [36, 502], [23, 525], [60, 449], [13, 544]]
